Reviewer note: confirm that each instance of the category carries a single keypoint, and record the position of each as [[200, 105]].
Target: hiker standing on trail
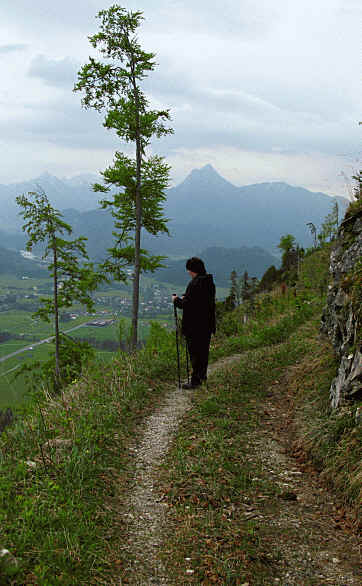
[[198, 319]]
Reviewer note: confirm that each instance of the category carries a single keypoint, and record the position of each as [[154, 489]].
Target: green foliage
[[72, 280], [234, 295], [292, 255], [329, 228], [271, 321], [115, 86], [74, 355], [355, 207], [287, 243], [123, 334], [160, 353], [270, 278], [357, 192], [314, 271], [154, 181]]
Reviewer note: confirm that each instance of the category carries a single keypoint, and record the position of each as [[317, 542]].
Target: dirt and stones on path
[[303, 522], [314, 548]]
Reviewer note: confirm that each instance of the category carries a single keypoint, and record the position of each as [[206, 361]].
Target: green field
[[21, 322], [32, 330], [13, 391], [11, 281]]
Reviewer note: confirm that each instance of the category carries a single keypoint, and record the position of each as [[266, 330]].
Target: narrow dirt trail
[[314, 551], [146, 511]]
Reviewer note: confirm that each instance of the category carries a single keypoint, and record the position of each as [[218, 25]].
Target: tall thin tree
[[114, 86], [74, 278]]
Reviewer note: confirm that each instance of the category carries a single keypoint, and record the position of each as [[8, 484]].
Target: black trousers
[[198, 346]]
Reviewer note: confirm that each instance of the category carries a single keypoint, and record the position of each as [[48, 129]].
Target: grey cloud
[[204, 125], [244, 17], [224, 70], [48, 16], [60, 121], [54, 72], [12, 48]]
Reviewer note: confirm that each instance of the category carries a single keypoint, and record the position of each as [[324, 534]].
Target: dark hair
[[196, 265]]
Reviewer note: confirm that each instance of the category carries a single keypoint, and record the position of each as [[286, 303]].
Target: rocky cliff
[[341, 319]]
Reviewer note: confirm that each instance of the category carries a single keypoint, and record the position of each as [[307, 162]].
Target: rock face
[[341, 319]]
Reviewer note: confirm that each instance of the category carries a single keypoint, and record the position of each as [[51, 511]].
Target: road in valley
[[34, 344]]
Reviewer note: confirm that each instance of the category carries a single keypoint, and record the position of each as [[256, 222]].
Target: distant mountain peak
[[208, 168], [46, 178], [205, 177]]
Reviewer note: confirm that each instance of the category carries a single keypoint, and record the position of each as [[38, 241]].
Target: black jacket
[[198, 305]]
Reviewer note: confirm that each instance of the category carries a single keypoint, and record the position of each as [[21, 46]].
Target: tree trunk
[[56, 318], [137, 264]]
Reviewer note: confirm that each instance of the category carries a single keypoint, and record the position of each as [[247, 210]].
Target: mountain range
[[220, 262], [205, 211], [63, 193]]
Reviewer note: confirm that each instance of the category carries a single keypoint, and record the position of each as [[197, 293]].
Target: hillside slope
[[236, 510]]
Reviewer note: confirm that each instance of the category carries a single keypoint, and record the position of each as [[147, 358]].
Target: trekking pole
[[187, 362], [177, 348]]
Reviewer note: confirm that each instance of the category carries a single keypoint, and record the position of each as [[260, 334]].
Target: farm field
[[13, 390], [14, 282], [19, 322], [23, 331]]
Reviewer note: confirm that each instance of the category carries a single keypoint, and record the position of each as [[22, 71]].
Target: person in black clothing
[[198, 319]]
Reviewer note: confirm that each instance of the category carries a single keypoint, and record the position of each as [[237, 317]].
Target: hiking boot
[[191, 385]]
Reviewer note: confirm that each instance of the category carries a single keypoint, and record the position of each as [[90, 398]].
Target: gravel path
[[313, 553], [146, 512]]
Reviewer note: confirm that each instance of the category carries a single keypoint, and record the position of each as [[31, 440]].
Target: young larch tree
[[113, 85]]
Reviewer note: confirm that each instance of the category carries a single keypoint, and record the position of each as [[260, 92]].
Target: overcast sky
[[264, 90]]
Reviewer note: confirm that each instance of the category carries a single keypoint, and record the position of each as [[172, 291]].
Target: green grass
[[272, 323], [53, 516], [207, 477], [331, 439], [21, 322], [61, 518], [9, 347], [7, 281], [111, 332], [13, 392]]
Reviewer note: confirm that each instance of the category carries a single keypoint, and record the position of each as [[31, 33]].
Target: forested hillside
[[221, 262]]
